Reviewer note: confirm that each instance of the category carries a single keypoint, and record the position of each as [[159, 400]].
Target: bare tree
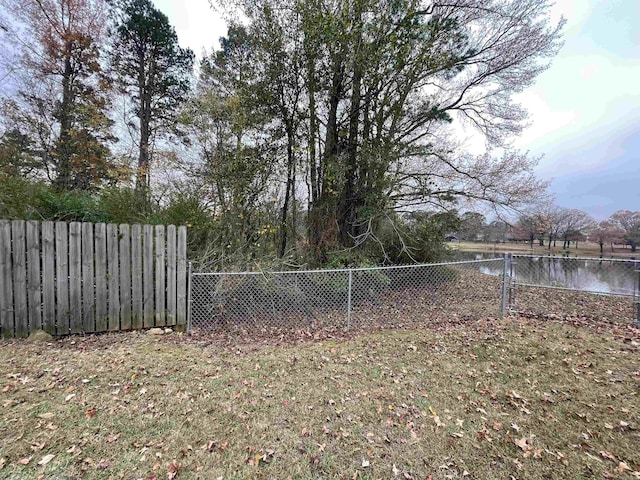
[[607, 232], [576, 226], [629, 222]]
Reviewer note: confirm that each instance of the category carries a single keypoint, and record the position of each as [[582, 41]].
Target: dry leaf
[[172, 470], [605, 454], [436, 419], [46, 459], [623, 467], [25, 460]]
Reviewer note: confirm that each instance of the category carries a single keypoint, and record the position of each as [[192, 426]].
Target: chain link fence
[[564, 287], [332, 300], [327, 301]]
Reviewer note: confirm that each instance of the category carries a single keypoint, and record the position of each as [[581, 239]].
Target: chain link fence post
[[637, 297], [505, 279], [512, 284], [190, 281], [349, 300]]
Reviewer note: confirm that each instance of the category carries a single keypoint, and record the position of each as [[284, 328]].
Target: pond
[[591, 275]]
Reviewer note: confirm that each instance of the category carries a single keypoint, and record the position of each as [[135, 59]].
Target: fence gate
[[82, 277]]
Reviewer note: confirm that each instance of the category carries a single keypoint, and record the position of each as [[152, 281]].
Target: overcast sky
[[585, 109]]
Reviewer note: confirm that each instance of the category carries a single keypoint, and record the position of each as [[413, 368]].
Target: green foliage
[[19, 197], [120, 205], [417, 238], [68, 206]]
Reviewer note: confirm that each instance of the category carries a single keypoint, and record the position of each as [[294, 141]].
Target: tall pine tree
[[153, 70]]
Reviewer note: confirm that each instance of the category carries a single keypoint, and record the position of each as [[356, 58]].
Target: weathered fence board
[[102, 319], [181, 282], [160, 278], [125, 278], [171, 275], [21, 325], [33, 276], [114, 277], [81, 277], [136, 279], [88, 280], [75, 278], [6, 292], [147, 275], [48, 278], [62, 279]]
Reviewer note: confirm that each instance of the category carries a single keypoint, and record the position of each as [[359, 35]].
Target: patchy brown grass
[[481, 399]]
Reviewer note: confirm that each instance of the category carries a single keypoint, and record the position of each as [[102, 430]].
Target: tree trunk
[[601, 248], [63, 179], [323, 213], [350, 200], [144, 116], [289, 188]]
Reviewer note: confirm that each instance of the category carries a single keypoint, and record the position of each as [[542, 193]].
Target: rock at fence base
[[180, 328], [156, 331], [40, 336], [168, 330]]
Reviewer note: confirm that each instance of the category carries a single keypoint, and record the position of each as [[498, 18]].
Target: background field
[[585, 249]]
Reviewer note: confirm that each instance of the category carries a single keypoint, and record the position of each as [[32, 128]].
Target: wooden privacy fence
[[81, 277]]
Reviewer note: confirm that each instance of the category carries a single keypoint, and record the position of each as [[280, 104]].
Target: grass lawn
[[485, 399], [585, 249]]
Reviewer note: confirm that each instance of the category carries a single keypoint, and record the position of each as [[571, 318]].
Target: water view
[[593, 275]]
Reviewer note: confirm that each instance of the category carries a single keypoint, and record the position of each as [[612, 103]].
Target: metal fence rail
[[414, 295]]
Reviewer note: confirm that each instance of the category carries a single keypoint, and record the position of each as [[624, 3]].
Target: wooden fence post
[[48, 278], [6, 278], [125, 278], [102, 319], [136, 277], [171, 275], [181, 284], [62, 278], [160, 278], [147, 275], [75, 278], [88, 280], [114, 277], [19, 279]]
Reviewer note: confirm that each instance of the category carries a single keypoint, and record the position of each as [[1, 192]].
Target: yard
[[511, 398]]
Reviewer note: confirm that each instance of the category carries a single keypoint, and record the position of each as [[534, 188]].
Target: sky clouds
[[584, 110]]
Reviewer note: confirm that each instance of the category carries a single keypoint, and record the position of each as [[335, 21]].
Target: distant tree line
[[550, 224]]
